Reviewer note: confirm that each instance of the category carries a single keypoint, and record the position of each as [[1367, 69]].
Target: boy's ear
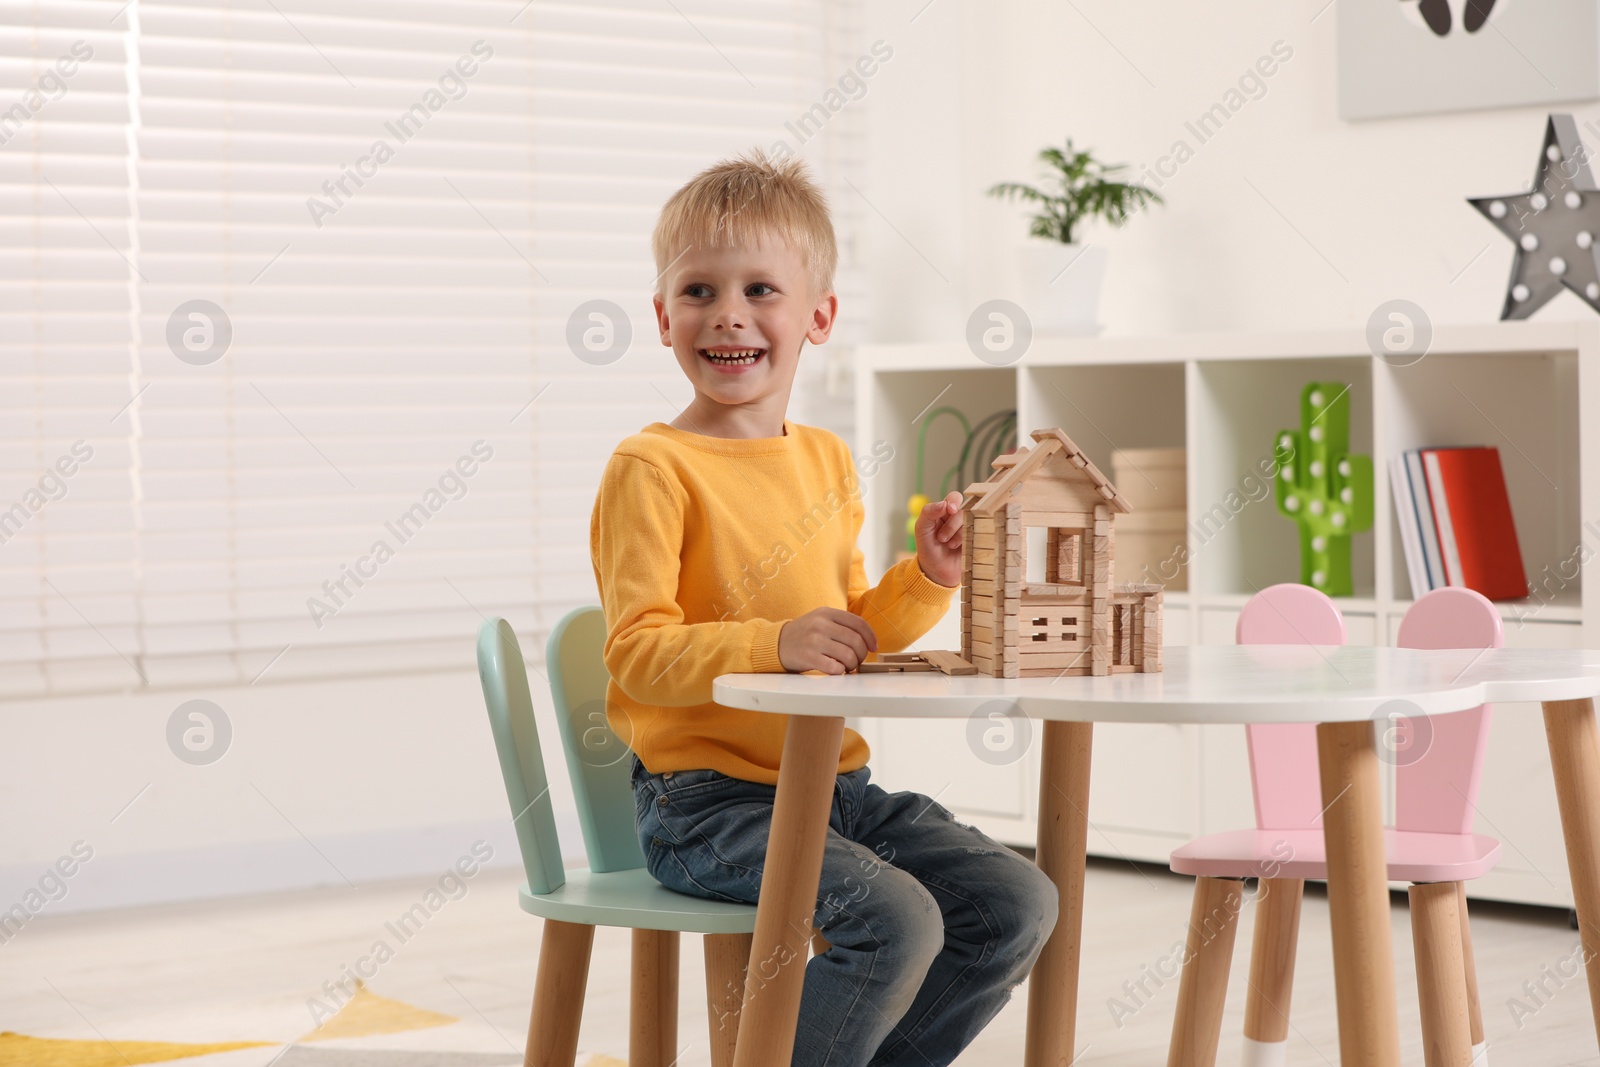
[[661, 321], [822, 317]]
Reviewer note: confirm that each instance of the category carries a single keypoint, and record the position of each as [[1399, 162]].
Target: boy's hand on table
[[827, 639], [938, 533]]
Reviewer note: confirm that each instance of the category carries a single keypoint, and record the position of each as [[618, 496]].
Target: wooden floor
[[244, 969]]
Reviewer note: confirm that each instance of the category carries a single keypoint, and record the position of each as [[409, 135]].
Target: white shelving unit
[[1530, 388]]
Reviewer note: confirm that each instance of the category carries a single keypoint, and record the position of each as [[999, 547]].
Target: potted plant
[[1061, 278]]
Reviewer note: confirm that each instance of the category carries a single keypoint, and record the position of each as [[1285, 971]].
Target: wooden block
[[1053, 672], [1040, 648], [949, 662], [983, 571], [1057, 660], [982, 603], [1068, 520], [895, 668]]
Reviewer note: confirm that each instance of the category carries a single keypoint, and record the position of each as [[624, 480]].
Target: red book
[[1472, 514]]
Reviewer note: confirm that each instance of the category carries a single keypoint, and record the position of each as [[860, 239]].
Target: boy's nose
[[729, 316]]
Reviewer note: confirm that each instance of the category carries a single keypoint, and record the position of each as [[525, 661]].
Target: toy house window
[[1064, 562], [1055, 627]]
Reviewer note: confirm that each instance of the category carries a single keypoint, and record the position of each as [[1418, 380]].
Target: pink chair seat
[[1412, 856]]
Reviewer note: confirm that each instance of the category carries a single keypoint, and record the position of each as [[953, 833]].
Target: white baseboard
[[248, 868]]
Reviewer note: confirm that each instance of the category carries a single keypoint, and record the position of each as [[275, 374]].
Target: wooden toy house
[[1074, 621]]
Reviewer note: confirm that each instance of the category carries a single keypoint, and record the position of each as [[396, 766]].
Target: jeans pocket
[[694, 783]]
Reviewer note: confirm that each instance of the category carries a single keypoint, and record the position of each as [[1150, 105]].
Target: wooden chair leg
[[1207, 958], [558, 994], [1441, 975], [1480, 1050], [653, 1013], [1272, 954], [727, 956]]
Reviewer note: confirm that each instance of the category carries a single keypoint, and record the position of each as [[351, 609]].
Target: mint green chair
[[615, 889]]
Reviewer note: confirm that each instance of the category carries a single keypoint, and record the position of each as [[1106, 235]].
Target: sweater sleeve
[[636, 535], [904, 605]]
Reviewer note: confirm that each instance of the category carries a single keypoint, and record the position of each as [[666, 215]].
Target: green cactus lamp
[[1324, 488]]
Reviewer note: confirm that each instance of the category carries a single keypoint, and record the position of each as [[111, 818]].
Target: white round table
[[1341, 689]]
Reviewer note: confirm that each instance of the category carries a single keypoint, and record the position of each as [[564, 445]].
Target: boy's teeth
[[749, 355]]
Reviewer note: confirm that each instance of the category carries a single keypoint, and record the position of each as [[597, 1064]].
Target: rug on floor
[[357, 1033], [20, 1050]]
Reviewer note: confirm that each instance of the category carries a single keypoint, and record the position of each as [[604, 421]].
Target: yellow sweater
[[703, 547]]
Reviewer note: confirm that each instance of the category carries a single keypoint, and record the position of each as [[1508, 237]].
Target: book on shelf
[[1405, 509], [1455, 521]]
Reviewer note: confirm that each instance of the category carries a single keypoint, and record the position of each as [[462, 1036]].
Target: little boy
[[725, 541]]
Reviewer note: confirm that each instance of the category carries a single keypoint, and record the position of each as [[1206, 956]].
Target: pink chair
[[1438, 765]]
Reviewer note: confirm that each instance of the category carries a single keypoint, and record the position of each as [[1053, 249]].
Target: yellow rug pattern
[[367, 1013], [364, 1014], [20, 1050]]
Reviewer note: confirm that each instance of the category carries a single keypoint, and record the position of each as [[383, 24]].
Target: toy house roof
[[986, 498]]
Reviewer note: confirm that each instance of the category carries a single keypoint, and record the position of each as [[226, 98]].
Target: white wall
[[974, 91], [971, 93], [383, 777]]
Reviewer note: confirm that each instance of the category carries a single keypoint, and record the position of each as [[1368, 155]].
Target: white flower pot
[[1060, 286]]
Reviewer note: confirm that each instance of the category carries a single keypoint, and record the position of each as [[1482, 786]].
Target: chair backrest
[[1438, 771], [1283, 756], [516, 738], [597, 758]]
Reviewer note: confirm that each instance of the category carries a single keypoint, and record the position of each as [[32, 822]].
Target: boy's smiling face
[[735, 318]]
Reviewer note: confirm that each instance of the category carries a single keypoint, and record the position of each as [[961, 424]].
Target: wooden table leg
[[1062, 847], [1358, 895], [788, 902], [1569, 726]]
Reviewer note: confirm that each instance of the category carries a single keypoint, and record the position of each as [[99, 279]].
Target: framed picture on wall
[[1414, 57]]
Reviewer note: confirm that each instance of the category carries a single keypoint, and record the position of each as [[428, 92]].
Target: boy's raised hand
[[938, 533], [826, 639]]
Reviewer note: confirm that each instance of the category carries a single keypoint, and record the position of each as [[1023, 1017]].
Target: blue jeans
[[931, 923]]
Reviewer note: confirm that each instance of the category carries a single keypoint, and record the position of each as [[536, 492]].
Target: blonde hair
[[741, 200]]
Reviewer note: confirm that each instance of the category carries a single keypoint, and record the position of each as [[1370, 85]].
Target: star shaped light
[[1554, 226]]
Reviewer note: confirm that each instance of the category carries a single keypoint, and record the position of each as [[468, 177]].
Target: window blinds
[[285, 383]]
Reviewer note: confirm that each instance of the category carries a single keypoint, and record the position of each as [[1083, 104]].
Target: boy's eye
[[700, 291]]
